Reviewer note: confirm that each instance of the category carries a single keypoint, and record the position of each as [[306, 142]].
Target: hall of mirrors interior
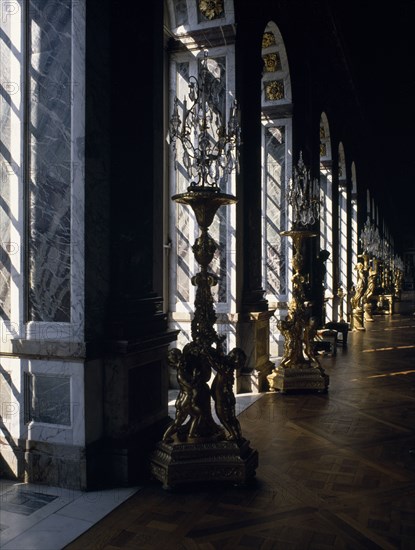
[[205, 227]]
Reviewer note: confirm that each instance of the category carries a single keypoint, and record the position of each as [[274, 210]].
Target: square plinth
[[178, 463]]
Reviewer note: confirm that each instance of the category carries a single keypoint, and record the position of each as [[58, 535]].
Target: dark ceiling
[[380, 43]]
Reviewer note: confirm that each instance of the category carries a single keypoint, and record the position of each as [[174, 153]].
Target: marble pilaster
[[42, 182]]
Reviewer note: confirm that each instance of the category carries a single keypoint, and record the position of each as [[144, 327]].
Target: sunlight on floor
[[391, 348]]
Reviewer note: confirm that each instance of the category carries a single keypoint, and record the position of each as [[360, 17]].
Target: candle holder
[[299, 368], [304, 197], [195, 447]]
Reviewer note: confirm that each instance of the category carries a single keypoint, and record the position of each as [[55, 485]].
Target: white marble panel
[[184, 260], [74, 434], [343, 231], [49, 399], [11, 171], [12, 181], [78, 170], [49, 136], [57, 168], [13, 371]]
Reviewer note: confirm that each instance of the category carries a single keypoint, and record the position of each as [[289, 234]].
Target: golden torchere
[[195, 448], [299, 368]]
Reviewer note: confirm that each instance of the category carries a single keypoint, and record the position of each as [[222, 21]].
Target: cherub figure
[[310, 332], [185, 402], [292, 329], [222, 392]]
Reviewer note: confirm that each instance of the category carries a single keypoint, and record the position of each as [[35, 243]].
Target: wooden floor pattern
[[336, 470]]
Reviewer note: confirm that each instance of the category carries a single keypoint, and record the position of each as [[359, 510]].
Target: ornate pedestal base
[[178, 463], [287, 379], [368, 315], [357, 319]]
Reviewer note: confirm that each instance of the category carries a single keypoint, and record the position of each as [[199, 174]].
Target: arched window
[[326, 217], [276, 172], [343, 224], [196, 25], [354, 228]]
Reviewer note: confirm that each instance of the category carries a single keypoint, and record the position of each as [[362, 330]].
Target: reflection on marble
[[38, 517], [50, 160]]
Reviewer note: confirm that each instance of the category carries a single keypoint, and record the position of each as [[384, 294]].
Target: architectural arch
[[354, 223], [276, 120], [326, 216], [343, 226]]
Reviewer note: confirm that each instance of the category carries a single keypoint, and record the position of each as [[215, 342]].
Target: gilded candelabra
[[387, 289], [194, 447], [366, 275], [299, 368]]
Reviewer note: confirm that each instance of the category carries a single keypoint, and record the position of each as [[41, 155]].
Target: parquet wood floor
[[336, 470]]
